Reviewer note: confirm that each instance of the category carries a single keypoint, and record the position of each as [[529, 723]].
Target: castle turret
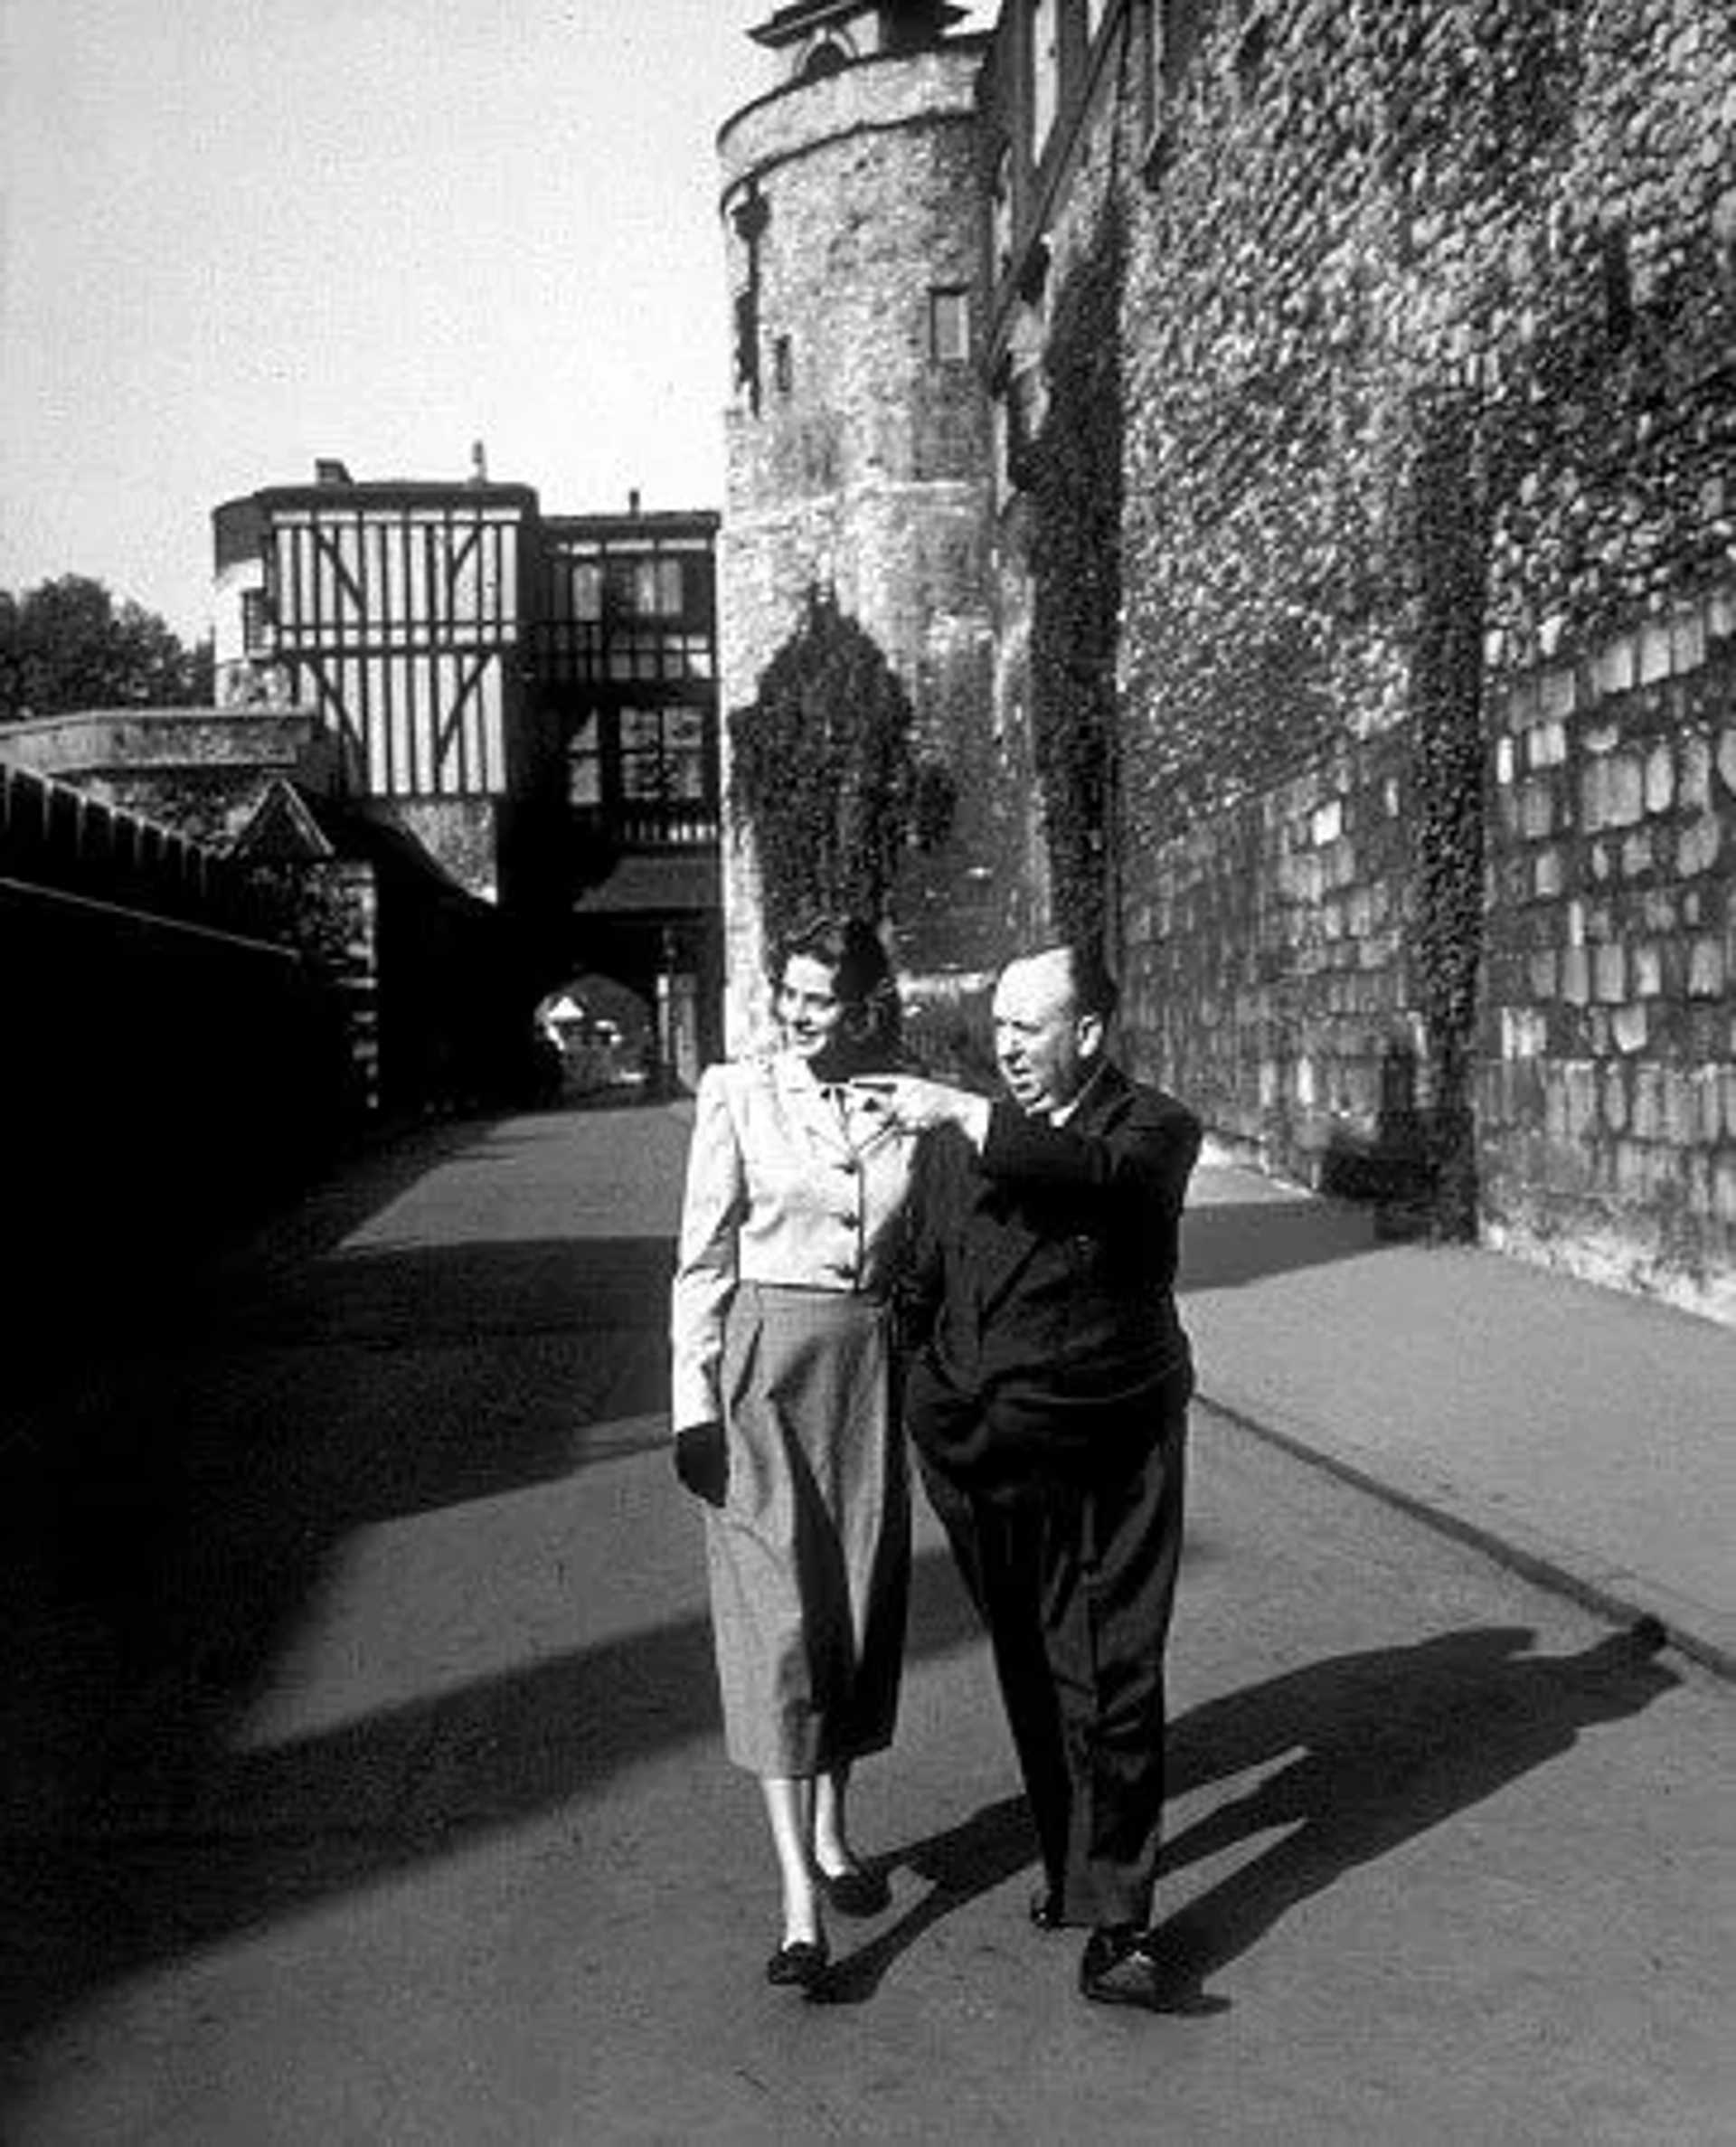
[[858, 433]]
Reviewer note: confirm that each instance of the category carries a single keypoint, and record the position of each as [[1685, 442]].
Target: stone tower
[[858, 429]]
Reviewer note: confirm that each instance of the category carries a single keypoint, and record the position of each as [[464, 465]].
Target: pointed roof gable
[[282, 830]]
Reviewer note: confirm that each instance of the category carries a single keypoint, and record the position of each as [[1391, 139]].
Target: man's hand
[[702, 1460], [915, 1105]]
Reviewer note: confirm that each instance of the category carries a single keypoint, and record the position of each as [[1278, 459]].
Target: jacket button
[[849, 1166]]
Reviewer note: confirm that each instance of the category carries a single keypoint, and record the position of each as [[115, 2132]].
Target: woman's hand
[[701, 1459], [916, 1105]]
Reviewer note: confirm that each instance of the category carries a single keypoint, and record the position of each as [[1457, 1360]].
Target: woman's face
[[808, 1007]]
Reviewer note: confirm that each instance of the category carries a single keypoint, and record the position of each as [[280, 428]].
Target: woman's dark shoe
[[856, 1891], [1119, 1968], [801, 1964]]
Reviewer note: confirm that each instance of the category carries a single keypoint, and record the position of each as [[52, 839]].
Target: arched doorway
[[598, 1040]]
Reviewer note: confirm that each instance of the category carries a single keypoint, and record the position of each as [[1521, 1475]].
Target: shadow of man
[[1389, 1744]]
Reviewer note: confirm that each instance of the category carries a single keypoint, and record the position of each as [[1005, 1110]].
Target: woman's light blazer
[[777, 1191]]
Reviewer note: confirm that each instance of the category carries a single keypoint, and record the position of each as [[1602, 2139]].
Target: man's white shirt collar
[[1074, 1101]]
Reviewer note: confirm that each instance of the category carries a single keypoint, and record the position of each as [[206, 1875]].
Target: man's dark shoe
[[1119, 1968], [1044, 1912]]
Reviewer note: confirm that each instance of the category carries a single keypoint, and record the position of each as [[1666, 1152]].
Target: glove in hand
[[703, 1461]]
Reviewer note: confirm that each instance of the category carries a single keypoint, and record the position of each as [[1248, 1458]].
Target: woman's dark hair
[[861, 976]]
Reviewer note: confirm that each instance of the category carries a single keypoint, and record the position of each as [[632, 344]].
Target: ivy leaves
[[1075, 560], [823, 771]]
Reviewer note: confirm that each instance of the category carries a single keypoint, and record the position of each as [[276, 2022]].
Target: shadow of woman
[[1389, 1744], [964, 1861]]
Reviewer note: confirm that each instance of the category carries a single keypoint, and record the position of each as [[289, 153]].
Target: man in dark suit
[[1047, 1398]]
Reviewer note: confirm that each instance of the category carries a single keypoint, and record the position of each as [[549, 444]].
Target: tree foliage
[[823, 771], [66, 644]]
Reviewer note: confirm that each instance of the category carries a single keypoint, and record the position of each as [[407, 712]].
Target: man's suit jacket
[[1042, 1307]]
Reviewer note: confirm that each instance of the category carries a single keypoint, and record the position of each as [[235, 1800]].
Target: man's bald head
[[1051, 1010]]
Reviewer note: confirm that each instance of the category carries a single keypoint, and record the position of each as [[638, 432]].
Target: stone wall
[[200, 770], [1608, 1092], [170, 1070], [856, 464], [1416, 775], [1052, 330], [1268, 972], [1425, 661]]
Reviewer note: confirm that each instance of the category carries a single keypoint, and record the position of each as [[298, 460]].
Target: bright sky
[[239, 234]]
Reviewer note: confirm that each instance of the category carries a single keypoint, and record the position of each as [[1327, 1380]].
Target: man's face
[[1047, 1051]]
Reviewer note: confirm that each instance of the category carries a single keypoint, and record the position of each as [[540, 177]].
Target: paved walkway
[[1584, 1436], [362, 1778]]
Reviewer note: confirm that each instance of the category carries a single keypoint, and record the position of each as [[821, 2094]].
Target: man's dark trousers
[[1075, 1583]]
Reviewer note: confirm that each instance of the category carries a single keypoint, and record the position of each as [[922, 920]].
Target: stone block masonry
[[1388, 715], [1266, 954], [857, 452], [1430, 419], [1607, 1088]]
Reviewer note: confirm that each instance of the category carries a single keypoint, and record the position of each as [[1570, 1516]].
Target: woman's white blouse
[[780, 1188]]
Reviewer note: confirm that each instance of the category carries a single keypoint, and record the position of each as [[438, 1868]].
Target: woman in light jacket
[[783, 1411]]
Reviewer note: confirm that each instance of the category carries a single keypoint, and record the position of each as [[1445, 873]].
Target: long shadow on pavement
[[173, 1504], [1227, 1244], [185, 1847], [163, 1531], [91, 1318], [359, 1188], [1388, 1744], [1391, 1742]]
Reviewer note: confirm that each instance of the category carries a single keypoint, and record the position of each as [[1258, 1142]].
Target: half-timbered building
[[533, 699]]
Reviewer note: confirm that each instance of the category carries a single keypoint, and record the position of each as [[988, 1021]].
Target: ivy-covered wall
[[1338, 611], [1430, 360], [1058, 498]]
